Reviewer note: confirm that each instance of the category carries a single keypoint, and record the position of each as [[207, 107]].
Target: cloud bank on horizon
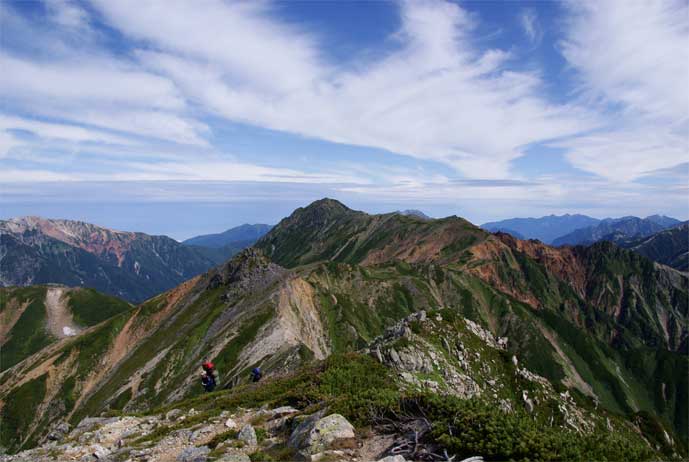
[[578, 106]]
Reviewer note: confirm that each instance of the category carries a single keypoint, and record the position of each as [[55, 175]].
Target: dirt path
[[60, 322]]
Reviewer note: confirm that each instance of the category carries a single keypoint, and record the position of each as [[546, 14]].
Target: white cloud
[[87, 81], [627, 155], [67, 14], [633, 55], [238, 36], [7, 143], [436, 98], [632, 52], [58, 131], [529, 23], [225, 171], [436, 95]]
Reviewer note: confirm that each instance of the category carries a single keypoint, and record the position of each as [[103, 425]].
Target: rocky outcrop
[[247, 435], [166, 438], [316, 434]]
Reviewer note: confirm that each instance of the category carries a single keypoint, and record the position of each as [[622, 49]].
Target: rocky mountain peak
[[250, 267], [414, 213], [320, 212]]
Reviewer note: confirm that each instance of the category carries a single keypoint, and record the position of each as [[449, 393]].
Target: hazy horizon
[[202, 218]]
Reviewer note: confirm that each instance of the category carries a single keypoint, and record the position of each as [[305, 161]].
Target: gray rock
[[283, 411], [89, 424], [173, 414], [140, 452], [394, 357], [379, 355], [397, 458], [99, 452], [194, 454], [197, 434], [248, 435], [183, 434], [316, 434], [527, 401]]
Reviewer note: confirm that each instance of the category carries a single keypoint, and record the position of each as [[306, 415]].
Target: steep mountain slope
[[34, 317], [623, 305], [327, 230], [240, 234], [602, 322], [669, 247], [625, 227], [545, 229], [133, 266], [432, 386]]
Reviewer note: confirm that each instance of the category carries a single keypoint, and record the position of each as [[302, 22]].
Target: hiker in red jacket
[[209, 377]]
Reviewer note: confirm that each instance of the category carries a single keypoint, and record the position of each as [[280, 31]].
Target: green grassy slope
[[30, 333]]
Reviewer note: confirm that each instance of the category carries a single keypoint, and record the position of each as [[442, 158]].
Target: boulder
[[99, 452], [173, 414], [231, 424], [59, 431], [248, 435], [283, 411], [316, 434], [396, 458], [194, 454], [201, 433]]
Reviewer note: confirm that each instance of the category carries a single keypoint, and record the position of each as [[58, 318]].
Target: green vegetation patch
[[90, 307], [19, 412], [29, 333], [469, 427]]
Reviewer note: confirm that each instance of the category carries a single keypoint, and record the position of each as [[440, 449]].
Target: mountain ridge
[[129, 265], [629, 227], [246, 233], [601, 323], [545, 229]]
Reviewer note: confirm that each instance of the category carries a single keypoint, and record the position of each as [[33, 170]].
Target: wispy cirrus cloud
[[528, 19], [437, 97], [633, 57], [459, 109]]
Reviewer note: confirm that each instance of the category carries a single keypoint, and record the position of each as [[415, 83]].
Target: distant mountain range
[[580, 229], [613, 229], [129, 265], [133, 266], [220, 247], [239, 234], [545, 229], [669, 247]]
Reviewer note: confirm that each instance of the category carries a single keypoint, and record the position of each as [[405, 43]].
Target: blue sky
[[182, 118]]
